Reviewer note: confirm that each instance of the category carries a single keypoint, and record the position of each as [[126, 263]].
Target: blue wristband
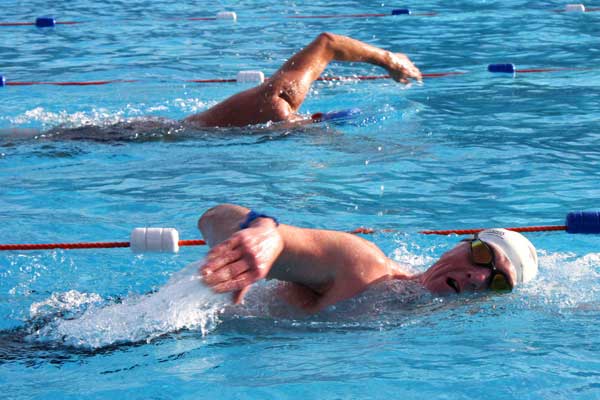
[[253, 215]]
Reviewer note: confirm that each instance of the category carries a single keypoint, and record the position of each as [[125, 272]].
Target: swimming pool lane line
[[506, 68], [49, 22], [77, 83], [167, 239], [85, 245]]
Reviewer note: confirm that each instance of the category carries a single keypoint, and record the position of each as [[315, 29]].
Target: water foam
[[182, 303], [104, 116], [566, 281], [48, 118]]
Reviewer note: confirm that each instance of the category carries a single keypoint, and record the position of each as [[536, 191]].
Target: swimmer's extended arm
[[280, 97], [292, 81], [321, 267]]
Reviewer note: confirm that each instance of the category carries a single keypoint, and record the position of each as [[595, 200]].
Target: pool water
[[464, 151]]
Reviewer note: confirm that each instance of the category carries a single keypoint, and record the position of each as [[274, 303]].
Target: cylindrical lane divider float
[[167, 239], [574, 8], [577, 8], [250, 77]]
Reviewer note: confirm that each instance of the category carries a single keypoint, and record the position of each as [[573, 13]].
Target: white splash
[[106, 116], [48, 118], [182, 303], [67, 302], [566, 281], [410, 256]]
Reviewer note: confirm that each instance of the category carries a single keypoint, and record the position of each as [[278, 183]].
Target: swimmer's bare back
[[280, 97]]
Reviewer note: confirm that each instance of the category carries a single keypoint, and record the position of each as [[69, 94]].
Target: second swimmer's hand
[[401, 68], [243, 259]]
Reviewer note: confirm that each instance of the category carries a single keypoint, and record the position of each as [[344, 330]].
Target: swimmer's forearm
[[347, 49]]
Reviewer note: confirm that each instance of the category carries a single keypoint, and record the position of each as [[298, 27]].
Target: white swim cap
[[517, 248]]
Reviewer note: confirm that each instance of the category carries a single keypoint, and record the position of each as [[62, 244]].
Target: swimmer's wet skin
[[320, 268], [280, 97]]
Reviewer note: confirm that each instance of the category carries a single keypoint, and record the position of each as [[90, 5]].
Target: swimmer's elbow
[[325, 38]]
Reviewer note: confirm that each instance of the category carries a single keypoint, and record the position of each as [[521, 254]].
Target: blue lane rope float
[[45, 22], [506, 68], [167, 239], [583, 222]]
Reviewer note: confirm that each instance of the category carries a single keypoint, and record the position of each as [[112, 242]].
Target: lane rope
[[49, 22], [167, 239], [258, 77]]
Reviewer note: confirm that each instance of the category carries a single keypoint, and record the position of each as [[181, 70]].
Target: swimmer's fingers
[[221, 255], [226, 273], [214, 265], [401, 69], [239, 283]]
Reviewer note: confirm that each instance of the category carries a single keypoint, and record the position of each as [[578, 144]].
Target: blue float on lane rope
[[507, 68], [401, 11], [583, 222], [45, 22]]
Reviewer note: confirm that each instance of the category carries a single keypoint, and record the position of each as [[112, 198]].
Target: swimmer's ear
[[238, 297]]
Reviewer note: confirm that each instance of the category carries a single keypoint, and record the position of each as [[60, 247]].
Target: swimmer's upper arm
[[292, 81]]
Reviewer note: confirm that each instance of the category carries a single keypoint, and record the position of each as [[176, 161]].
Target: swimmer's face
[[455, 272]]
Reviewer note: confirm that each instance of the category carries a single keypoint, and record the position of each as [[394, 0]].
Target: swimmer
[[319, 268], [277, 99], [280, 97]]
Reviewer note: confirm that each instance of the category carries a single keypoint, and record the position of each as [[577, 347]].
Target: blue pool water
[[457, 152]]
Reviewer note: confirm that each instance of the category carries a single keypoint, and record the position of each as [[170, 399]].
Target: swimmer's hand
[[243, 259], [401, 68]]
